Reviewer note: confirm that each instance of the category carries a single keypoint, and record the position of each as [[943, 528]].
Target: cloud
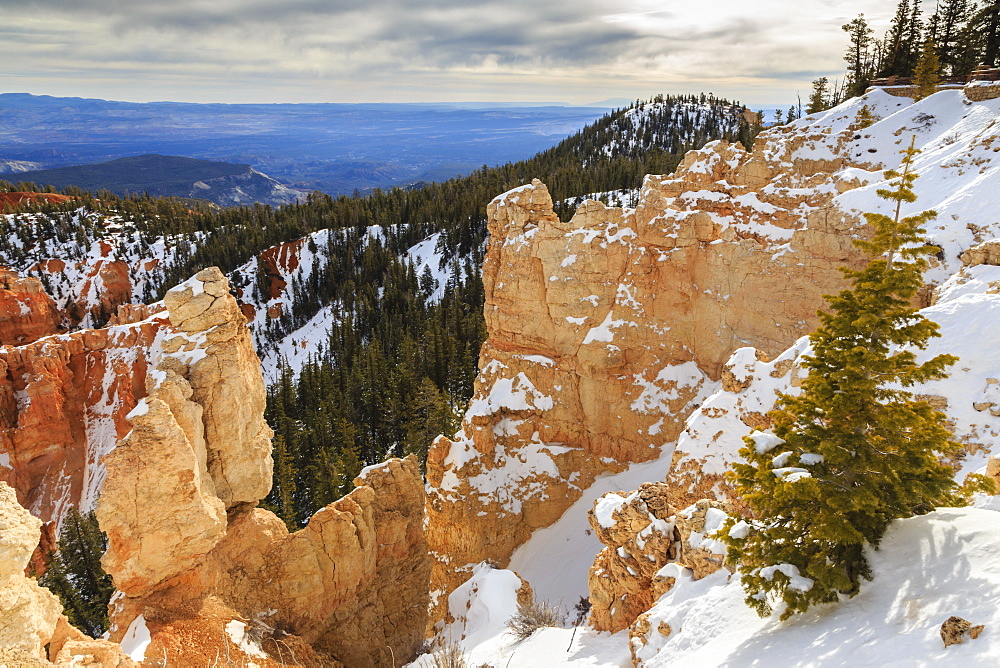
[[440, 49]]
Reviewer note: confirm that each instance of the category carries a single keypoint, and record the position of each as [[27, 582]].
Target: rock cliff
[[191, 556], [63, 402], [33, 630], [607, 331], [160, 417], [26, 312]]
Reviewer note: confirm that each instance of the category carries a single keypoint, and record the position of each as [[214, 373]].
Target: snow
[[515, 394], [99, 424], [484, 604], [927, 569], [519, 475], [795, 580], [136, 639], [141, 408], [371, 467], [764, 442], [606, 506], [481, 608], [655, 396], [428, 255], [603, 331], [570, 543], [193, 284], [237, 632], [740, 530]]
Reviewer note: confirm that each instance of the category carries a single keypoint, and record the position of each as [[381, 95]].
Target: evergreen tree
[[855, 450], [431, 415], [986, 24], [927, 74], [902, 40], [861, 56], [947, 32], [75, 574], [819, 99], [285, 487]]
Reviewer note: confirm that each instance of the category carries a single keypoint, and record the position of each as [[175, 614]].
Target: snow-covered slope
[[928, 569], [287, 272]]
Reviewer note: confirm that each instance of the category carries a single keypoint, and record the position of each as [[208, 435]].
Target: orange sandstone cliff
[[158, 420], [606, 331]]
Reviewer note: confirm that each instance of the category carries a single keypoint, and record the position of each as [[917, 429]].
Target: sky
[[569, 51]]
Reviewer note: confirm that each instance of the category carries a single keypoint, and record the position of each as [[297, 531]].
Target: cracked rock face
[[198, 445], [643, 533], [606, 331], [190, 553]]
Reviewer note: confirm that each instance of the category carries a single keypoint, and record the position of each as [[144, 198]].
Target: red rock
[[26, 312]]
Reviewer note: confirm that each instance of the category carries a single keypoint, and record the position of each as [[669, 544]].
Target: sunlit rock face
[[191, 555], [607, 331]]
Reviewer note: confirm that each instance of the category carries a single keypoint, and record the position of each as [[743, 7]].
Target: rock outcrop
[[63, 402], [643, 533], [33, 630], [161, 416], [955, 630], [26, 312], [28, 612], [193, 558], [606, 331]]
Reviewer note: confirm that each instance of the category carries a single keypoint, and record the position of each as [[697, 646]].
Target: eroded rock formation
[[26, 312], [642, 533], [63, 402], [161, 415], [606, 331], [192, 556], [33, 629]]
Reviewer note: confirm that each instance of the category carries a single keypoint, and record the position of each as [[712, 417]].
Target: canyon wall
[[158, 420], [607, 331]]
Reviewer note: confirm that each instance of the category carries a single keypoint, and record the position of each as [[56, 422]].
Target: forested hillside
[[396, 353]]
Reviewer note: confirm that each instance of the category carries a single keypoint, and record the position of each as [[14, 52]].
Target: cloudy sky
[[573, 51]]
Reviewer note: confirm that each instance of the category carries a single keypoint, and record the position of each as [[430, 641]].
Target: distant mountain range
[[223, 183], [336, 148]]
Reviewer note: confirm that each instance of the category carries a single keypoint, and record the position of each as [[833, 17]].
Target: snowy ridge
[[73, 272], [670, 125]]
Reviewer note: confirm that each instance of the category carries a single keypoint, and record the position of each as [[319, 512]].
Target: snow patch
[[136, 639]]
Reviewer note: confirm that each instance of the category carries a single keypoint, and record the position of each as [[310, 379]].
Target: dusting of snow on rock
[[514, 394]]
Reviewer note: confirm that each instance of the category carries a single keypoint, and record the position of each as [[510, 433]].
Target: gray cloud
[[431, 49]]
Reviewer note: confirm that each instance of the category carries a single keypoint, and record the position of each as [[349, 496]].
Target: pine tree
[[855, 450], [948, 33], [430, 415], [895, 41], [927, 74], [75, 574], [861, 55], [285, 487], [986, 24], [819, 98]]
